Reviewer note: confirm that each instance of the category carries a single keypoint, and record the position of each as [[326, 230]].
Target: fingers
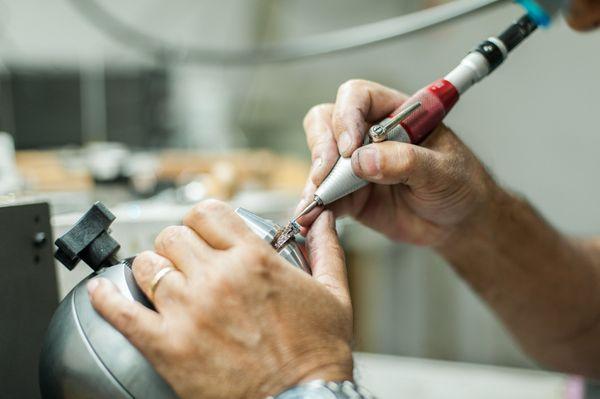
[[392, 162], [182, 246], [312, 215], [145, 268], [359, 102], [137, 323], [327, 257], [583, 15], [217, 224], [339, 129], [321, 143]]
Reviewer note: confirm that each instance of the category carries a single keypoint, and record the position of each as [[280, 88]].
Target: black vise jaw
[[89, 240]]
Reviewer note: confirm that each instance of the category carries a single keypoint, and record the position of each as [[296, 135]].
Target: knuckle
[[263, 264], [145, 270], [196, 216], [168, 237], [213, 205], [260, 256], [144, 259], [203, 210], [142, 262], [352, 85], [204, 207], [324, 146], [409, 157], [315, 112]]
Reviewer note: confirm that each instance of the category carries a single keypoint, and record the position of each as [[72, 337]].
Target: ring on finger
[[157, 278]]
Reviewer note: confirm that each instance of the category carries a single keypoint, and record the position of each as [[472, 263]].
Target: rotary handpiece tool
[[420, 114]]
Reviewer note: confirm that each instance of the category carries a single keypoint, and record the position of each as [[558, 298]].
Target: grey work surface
[[391, 377], [28, 296]]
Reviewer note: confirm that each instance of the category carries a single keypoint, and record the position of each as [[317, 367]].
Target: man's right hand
[[422, 193]]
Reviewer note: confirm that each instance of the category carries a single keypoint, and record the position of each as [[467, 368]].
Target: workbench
[[394, 377]]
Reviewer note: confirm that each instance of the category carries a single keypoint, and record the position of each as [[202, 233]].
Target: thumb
[[391, 162], [327, 257]]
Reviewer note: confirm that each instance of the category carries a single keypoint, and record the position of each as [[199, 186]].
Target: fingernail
[[92, 285], [368, 160], [344, 143]]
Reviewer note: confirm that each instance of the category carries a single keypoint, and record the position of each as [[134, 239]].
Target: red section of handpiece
[[437, 100]]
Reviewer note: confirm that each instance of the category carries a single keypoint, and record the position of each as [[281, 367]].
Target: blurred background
[[92, 117]]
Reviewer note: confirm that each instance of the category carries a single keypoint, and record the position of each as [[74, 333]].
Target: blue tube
[[537, 13]]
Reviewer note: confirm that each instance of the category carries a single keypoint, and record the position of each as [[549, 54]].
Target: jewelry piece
[[285, 235], [157, 277]]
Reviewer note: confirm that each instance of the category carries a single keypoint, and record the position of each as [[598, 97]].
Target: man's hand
[[235, 320], [543, 285], [583, 15], [423, 193]]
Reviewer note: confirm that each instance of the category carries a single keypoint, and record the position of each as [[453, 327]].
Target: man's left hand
[[234, 319]]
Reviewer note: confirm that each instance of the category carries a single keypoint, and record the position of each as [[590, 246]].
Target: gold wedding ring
[[157, 277]]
